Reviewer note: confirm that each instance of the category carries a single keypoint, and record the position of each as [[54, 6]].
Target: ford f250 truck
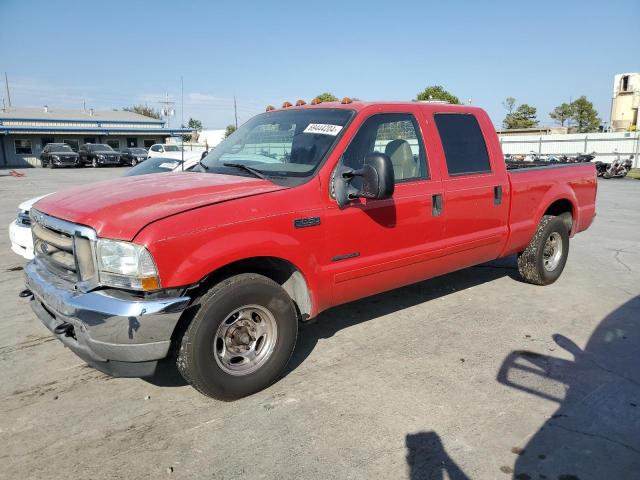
[[303, 208]]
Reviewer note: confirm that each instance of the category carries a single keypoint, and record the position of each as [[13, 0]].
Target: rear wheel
[[542, 262], [240, 339]]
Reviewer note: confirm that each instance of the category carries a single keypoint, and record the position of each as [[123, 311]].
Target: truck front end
[[101, 298]]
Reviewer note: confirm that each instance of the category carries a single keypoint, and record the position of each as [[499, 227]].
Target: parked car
[[58, 155], [161, 165], [133, 156], [225, 262], [20, 230], [98, 155], [165, 150]]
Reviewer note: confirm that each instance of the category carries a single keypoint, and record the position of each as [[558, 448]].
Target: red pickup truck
[[303, 208]]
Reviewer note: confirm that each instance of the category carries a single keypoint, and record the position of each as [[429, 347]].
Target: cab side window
[[396, 135], [463, 143]]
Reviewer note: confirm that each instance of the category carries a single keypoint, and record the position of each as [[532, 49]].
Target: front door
[[377, 245]]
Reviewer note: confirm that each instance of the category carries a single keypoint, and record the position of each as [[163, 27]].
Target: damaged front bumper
[[113, 331]]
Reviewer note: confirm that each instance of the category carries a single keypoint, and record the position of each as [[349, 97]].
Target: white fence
[[607, 146]]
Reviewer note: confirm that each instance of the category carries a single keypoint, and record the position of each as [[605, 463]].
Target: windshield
[[154, 165], [100, 147], [171, 148], [137, 150], [59, 148], [280, 144]]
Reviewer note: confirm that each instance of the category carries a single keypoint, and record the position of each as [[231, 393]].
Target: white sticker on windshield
[[168, 165], [323, 129]]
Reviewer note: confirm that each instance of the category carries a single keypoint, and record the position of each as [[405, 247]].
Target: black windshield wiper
[[246, 168]]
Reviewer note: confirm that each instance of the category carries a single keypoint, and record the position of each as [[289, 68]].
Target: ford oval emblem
[[44, 248]]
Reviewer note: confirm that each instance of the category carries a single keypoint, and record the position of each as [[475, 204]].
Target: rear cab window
[[463, 143]]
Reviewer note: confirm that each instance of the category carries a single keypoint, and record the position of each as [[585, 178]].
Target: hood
[[105, 152], [120, 208]]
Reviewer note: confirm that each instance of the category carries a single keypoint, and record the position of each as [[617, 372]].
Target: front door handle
[[497, 195], [436, 204]]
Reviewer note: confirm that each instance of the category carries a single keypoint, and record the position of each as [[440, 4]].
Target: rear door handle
[[436, 204], [497, 195]]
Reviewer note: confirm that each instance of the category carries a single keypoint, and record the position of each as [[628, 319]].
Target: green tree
[[194, 124], [229, 130], [327, 97], [509, 103], [523, 117], [562, 113], [584, 116], [145, 110], [436, 92]]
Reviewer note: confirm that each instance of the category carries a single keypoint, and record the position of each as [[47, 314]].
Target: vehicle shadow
[[338, 318], [595, 433], [428, 460]]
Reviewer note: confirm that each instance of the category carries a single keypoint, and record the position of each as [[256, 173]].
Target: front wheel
[[94, 163], [240, 339], [542, 262], [134, 162]]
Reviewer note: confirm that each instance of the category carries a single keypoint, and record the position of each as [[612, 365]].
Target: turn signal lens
[[346, 100], [299, 103], [269, 108], [287, 105], [150, 283]]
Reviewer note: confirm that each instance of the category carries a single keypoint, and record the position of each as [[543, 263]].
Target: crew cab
[[58, 155], [301, 209], [98, 155]]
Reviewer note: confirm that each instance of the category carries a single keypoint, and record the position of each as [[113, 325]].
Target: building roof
[[68, 114]]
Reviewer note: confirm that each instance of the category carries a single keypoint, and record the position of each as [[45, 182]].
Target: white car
[[20, 230], [166, 150]]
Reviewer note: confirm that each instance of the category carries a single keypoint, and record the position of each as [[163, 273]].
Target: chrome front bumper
[[114, 332]]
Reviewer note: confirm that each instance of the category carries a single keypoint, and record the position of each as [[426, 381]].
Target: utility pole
[[166, 111], [235, 110], [6, 82]]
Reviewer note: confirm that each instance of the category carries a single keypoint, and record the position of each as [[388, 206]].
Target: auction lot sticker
[[323, 129]]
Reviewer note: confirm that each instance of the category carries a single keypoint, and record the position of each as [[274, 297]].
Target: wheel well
[[280, 271], [563, 209]]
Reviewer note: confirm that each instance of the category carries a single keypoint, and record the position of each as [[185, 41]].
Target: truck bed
[[536, 187]]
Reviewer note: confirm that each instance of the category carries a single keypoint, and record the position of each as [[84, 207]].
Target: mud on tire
[[541, 263]]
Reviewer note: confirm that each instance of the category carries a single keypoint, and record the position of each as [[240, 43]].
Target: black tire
[[51, 165], [531, 262], [134, 162], [196, 359], [94, 163]]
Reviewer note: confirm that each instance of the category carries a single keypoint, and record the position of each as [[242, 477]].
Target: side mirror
[[378, 180]]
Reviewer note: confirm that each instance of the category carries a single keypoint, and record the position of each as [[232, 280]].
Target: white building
[[211, 138], [625, 102]]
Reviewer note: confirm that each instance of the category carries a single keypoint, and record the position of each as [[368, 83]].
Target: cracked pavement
[[470, 375]]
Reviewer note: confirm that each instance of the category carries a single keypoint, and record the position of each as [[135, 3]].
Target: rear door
[[475, 185]]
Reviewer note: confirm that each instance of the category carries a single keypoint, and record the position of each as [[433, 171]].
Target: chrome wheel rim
[[245, 340], [552, 252]]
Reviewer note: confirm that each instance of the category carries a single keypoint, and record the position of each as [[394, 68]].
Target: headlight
[[126, 265], [100, 156], [55, 157]]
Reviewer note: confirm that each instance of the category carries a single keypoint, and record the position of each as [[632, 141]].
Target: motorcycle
[[619, 168], [601, 168]]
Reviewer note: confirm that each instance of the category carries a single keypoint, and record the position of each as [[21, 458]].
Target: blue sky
[[117, 53]]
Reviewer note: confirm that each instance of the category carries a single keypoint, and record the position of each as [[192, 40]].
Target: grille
[[23, 219], [65, 249], [55, 249]]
